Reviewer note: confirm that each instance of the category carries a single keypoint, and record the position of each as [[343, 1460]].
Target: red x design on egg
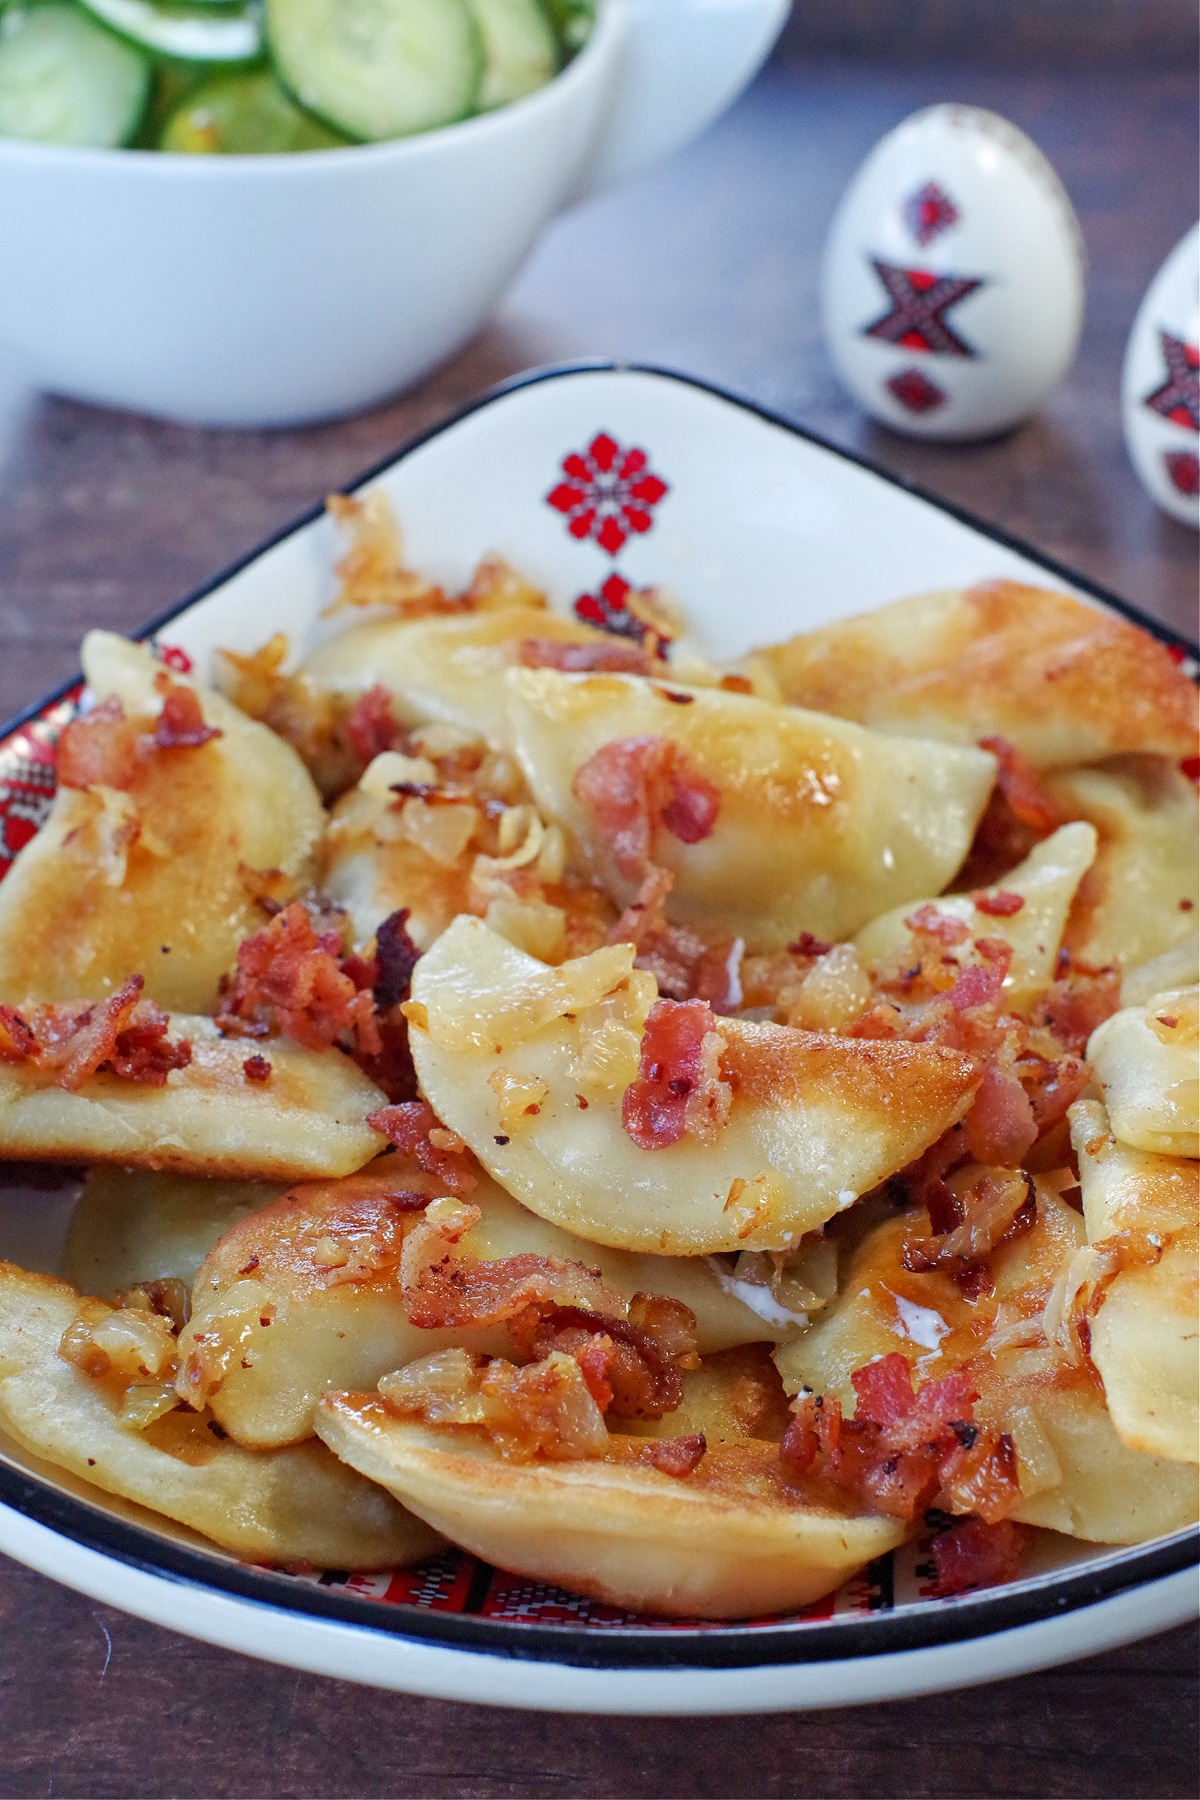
[[920, 301]]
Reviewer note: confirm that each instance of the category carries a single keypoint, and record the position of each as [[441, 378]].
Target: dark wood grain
[[708, 265]]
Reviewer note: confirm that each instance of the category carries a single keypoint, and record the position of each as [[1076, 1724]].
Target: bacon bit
[[684, 966], [679, 1456], [142, 1052], [389, 975], [1190, 766], [633, 1366], [808, 945], [995, 950], [1052, 1087], [634, 785], [999, 1204], [1018, 781], [396, 956], [256, 1068], [414, 1129], [676, 698], [976, 987], [123, 1034], [1000, 905], [736, 684], [1000, 1127], [289, 978], [943, 927], [614, 657], [678, 1086], [100, 750], [1075, 1005], [903, 1450], [180, 724], [371, 726], [973, 1554], [442, 1289]]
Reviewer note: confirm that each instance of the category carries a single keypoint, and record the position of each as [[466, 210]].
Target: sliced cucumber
[[64, 80], [573, 20], [378, 68], [520, 50], [200, 33], [244, 115]]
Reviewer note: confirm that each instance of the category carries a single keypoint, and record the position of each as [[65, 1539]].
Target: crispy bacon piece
[[180, 724], [684, 966], [142, 1051], [999, 1204], [977, 986], [1000, 1127], [289, 978], [632, 786], [371, 726], [443, 1289], [944, 928], [124, 1034], [616, 657], [389, 976], [99, 750], [1076, 1003], [256, 1068], [679, 1456], [1000, 905], [974, 1554], [903, 1451], [678, 1087], [633, 1365], [1018, 781], [415, 1130]]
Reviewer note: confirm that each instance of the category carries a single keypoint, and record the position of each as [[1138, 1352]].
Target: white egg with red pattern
[[953, 277], [1160, 387]]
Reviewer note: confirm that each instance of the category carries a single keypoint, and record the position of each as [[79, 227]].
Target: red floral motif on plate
[[609, 493]]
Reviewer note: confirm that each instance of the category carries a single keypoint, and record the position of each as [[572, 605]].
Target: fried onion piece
[[813, 1122], [734, 1538], [1142, 1323], [1019, 1346], [289, 1506], [155, 875], [307, 1120], [1065, 682], [772, 821]]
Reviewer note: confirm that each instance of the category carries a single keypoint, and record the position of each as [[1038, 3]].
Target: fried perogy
[[283, 1506], [1146, 1059], [306, 1118], [1141, 897], [1024, 1357], [151, 865], [531, 1066], [135, 1225], [773, 822], [1141, 1214], [730, 1536], [308, 1294], [1042, 888], [449, 670], [1064, 682]]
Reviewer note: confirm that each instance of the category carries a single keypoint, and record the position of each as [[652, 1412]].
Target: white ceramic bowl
[[270, 290], [748, 502]]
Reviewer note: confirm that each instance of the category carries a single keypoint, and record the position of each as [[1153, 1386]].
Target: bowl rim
[[159, 165], [914, 1626]]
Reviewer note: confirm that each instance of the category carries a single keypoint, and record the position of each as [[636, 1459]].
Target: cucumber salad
[[260, 77]]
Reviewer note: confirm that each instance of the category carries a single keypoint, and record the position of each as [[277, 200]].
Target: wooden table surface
[[708, 265]]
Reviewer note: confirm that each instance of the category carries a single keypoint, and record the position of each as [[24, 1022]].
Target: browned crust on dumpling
[[1063, 681]]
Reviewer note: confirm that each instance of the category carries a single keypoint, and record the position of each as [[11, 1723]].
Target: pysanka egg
[[953, 276], [1160, 389]]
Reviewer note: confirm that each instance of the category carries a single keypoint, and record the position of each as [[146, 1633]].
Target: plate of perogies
[[598, 1084]]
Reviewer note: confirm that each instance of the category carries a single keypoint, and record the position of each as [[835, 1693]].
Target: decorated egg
[[953, 276], [1160, 388]]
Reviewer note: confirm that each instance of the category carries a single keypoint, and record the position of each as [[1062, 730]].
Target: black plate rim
[[914, 1626]]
